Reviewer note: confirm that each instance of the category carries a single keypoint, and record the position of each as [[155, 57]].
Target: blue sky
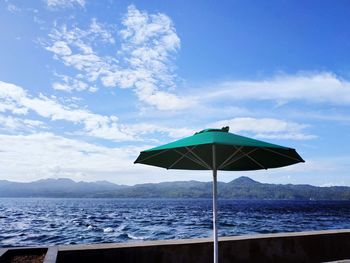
[[86, 85]]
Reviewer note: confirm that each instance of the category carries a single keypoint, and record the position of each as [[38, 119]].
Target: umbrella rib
[[240, 157], [198, 158], [183, 155], [193, 159], [230, 157], [148, 157], [284, 155], [255, 161], [178, 160]]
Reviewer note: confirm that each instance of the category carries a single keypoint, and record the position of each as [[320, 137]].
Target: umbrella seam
[[200, 159], [255, 161], [178, 160], [284, 155], [240, 157], [230, 157], [148, 157], [184, 155]]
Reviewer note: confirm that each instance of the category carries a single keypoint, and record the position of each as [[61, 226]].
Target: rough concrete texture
[[23, 255], [317, 246]]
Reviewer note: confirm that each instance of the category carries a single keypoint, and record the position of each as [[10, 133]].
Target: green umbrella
[[217, 149]]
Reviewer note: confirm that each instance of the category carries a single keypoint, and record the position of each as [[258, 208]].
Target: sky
[[86, 85]]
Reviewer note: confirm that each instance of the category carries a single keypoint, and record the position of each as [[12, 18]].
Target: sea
[[37, 221]]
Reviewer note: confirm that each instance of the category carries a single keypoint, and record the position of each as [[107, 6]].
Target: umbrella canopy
[[233, 153], [217, 149]]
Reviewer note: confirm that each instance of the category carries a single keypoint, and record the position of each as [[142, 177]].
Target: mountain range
[[240, 188]]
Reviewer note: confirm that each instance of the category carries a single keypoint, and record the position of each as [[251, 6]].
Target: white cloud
[[42, 155], [70, 84], [146, 128], [15, 100], [141, 28], [267, 128], [143, 62], [317, 87], [330, 184], [9, 95], [149, 42], [12, 124], [164, 100], [75, 48], [13, 8], [322, 171], [54, 4], [84, 39], [60, 48]]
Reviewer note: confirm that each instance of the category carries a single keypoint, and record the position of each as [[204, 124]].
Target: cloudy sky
[[85, 85]]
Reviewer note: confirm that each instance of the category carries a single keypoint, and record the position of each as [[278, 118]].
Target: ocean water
[[32, 222]]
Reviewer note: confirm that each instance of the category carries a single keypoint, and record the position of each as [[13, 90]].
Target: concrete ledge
[[172, 242], [3, 251], [200, 240], [10, 253], [51, 255], [314, 246], [339, 261]]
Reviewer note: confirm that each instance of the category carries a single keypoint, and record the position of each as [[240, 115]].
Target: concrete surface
[[313, 246]]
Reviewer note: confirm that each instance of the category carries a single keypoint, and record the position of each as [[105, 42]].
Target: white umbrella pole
[[215, 230]]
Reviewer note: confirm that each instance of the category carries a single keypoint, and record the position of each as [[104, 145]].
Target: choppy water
[[28, 222]]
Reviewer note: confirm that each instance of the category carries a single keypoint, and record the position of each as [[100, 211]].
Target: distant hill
[[240, 188], [62, 187]]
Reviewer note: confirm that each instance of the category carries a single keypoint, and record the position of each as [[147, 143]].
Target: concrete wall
[[315, 246]]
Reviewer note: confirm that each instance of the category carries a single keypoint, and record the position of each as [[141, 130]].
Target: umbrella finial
[[225, 129]]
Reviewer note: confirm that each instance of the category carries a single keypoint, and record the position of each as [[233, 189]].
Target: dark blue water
[[28, 222]]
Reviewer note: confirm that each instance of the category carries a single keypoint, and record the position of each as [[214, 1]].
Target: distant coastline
[[240, 188]]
